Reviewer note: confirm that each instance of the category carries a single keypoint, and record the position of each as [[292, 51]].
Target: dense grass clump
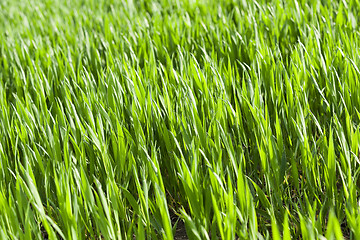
[[200, 119]]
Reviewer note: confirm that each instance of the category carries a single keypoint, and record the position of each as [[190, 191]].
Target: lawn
[[179, 119]]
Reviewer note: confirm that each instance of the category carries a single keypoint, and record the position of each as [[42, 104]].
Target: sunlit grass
[[132, 119]]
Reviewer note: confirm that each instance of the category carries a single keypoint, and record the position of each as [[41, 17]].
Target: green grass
[[126, 119]]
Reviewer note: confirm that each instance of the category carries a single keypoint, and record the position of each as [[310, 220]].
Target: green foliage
[[129, 119]]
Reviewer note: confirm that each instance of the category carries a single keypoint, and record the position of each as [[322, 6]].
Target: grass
[[132, 119]]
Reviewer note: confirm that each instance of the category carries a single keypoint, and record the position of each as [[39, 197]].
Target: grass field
[[179, 119]]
